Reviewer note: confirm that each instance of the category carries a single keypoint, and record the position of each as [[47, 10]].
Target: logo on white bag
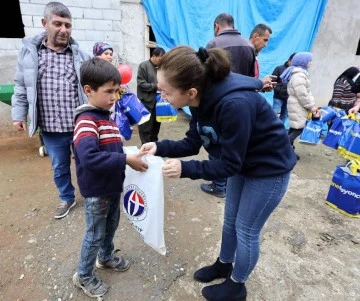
[[135, 203]]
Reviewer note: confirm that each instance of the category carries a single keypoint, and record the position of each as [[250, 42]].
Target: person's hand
[[172, 168], [316, 113], [269, 81], [355, 109], [149, 147], [136, 161], [20, 125]]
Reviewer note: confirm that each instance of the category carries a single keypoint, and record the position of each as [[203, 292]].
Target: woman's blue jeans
[[249, 203], [58, 147], [102, 220]]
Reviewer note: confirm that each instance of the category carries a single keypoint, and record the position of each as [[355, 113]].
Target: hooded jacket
[[236, 125], [300, 101], [24, 99], [98, 149]]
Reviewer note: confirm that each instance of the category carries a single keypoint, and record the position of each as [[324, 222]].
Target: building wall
[[122, 23], [335, 47]]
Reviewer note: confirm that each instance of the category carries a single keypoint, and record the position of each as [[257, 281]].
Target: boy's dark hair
[[158, 51], [225, 20], [260, 29], [95, 72]]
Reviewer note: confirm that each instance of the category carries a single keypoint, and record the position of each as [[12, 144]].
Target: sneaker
[[211, 189], [92, 286], [117, 263], [63, 208]]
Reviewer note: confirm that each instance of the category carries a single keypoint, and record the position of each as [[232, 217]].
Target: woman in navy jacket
[[236, 125]]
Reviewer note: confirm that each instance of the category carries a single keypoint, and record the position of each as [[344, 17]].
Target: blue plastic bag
[[337, 129], [349, 143], [133, 108], [122, 122], [164, 110], [344, 191], [312, 132]]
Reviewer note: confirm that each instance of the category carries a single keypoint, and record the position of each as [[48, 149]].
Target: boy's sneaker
[[93, 286], [117, 263], [63, 208]]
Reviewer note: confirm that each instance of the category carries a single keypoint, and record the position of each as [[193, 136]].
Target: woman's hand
[[316, 113], [172, 168], [355, 109], [149, 147]]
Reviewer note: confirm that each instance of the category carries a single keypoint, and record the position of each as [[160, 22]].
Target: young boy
[[100, 168]]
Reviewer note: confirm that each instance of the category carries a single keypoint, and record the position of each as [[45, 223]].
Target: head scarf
[[349, 73], [300, 60], [100, 47]]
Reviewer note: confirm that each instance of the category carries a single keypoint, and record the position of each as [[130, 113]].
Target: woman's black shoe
[[226, 291], [214, 271]]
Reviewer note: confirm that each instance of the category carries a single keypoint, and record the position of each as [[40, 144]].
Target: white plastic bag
[[143, 200]]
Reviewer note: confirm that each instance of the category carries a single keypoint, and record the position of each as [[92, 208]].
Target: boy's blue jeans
[[102, 220], [248, 204], [58, 146]]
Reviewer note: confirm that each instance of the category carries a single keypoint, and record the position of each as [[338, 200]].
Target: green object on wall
[[6, 91]]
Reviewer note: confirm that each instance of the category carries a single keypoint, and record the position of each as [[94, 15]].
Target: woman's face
[[174, 96], [107, 55]]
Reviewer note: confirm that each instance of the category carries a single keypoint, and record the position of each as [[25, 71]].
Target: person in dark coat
[[280, 91]]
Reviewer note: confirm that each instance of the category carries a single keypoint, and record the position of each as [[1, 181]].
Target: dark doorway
[[13, 27]]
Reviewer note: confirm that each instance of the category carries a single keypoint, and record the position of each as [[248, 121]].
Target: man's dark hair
[[225, 19], [291, 56], [158, 51], [95, 72], [57, 9], [260, 29]]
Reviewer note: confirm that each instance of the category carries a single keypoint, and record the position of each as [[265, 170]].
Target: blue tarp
[[294, 24]]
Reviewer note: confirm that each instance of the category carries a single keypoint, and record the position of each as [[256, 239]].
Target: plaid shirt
[[57, 90]]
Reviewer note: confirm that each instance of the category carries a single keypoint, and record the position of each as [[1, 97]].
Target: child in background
[[100, 168]]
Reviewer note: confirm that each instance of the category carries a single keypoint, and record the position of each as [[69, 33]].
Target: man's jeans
[[102, 220], [220, 184], [58, 146], [280, 108], [249, 203]]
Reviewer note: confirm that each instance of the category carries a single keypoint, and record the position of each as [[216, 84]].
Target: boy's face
[[104, 97]]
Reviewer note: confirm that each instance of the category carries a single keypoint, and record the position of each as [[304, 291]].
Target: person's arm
[[142, 80], [86, 144], [355, 109], [303, 95], [188, 146], [19, 102]]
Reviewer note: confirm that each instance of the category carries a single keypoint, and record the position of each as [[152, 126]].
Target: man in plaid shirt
[[47, 90]]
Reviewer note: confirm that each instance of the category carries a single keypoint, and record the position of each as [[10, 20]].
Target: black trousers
[[149, 130], [293, 134]]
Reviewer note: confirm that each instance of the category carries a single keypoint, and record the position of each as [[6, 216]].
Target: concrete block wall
[[120, 23]]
